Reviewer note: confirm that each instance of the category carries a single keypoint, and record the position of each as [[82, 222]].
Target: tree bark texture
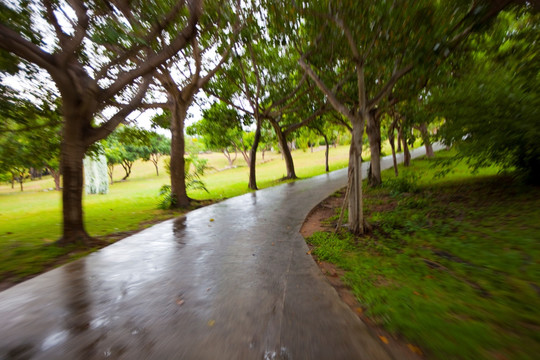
[[356, 212], [326, 153], [427, 142], [373, 130], [177, 165], [406, 152], [392, 141], [72, 151], [287, 156], [253, 157]]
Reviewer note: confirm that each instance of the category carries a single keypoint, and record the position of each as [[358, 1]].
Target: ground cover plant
[[30, 221], [451, 264]]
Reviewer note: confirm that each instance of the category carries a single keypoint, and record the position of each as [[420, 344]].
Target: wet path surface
[[228, 281]]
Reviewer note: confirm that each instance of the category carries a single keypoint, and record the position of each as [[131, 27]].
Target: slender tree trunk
[[110, 170], [21, 180], [154, 158], [56, 177], [427, 142], [253, 157], [374, 136], [285, 151], [326, 152], [72, 152], [356, 212], [399, 139], [391, 140], [12, 181], [178, 174], [126, 164], [228, 157]]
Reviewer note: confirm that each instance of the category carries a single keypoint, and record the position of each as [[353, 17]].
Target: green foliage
[[406, 182], [491, 110]]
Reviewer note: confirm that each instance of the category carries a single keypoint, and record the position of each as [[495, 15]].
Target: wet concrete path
[[229, 281]]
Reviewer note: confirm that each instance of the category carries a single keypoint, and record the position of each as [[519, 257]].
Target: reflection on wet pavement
[[229, 281]]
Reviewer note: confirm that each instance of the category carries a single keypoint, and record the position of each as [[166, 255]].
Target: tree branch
[[321, 85], [108, 127], [387, 88]]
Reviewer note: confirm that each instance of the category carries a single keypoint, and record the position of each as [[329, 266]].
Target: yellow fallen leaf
[[359, 310], [211, 219], [309, 252], [383, 339], [211, 322], [415, 349]]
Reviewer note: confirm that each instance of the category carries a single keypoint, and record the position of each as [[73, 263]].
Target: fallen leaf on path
[[415, 349], [383, 339], [359, 310], [179, 302], [211, 219], [211, 322], [309, 252]]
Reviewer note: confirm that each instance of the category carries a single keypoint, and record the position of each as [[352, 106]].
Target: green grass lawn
[[31, 220], [452, 264]]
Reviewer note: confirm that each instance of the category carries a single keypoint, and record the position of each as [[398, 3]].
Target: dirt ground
[[316, 221]]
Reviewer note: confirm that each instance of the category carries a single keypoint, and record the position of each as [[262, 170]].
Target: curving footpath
[[229, 281]]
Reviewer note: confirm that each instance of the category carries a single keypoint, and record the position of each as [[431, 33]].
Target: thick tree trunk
[[72, 151], [406, 152], [253, 157], [374, 136], [289, 163], [178, 175], [356, 212], [427, 142]]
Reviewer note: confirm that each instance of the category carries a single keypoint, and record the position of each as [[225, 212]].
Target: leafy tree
[[356, 52], [491, 108], [158, 146], [182, 77], [221, 130], [96, 53]]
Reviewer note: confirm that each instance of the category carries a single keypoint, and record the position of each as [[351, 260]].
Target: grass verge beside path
[[452, 264], [31, 220]]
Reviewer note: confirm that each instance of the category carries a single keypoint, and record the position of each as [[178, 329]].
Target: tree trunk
[[391, 140], [227, 156], [399, 139], [72, 152], [110, 170], [285, 151], [356, 213], [21, 180], [374, 136], [253, 157], [178, 171], [56, 177], [427, 142], [154, 158], [326, 152], [406, 152], [127, 168]]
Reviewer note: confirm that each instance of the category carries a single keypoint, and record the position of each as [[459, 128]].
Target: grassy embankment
[[452, 264], [31, 220]]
